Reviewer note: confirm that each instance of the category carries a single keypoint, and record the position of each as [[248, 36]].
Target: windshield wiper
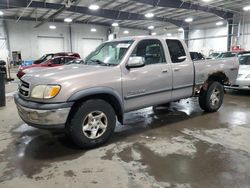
[[97, 61]]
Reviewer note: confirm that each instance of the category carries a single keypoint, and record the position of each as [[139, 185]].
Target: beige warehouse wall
[[244, 39], [3, 44], [24, 37], [207, 40]]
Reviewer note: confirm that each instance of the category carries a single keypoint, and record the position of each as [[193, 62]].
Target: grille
[[24, 88]]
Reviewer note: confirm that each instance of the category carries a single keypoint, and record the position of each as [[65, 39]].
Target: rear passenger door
[[183, 70]]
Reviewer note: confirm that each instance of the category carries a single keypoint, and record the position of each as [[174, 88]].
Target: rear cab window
[[201, 56], [176, 50]]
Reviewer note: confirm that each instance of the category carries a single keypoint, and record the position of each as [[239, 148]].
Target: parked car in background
[[227, 55], [50, 56], [243, 79], [214, 55], [242, 53], [54, 62], [232, 54], [197, 56], [120, 76]]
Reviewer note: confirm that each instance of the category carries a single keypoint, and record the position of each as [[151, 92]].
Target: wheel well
[[106, 97], [215, 77], [218, 77]]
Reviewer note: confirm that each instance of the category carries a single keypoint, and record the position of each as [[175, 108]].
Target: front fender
[[95, 91], [118, 106]]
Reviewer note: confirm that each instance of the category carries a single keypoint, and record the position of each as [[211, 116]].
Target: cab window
[[201, 56], [57, 61], [176, 50], [67, 59], [151, 51]]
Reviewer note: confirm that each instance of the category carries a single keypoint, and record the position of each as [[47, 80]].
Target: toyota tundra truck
[[120, 76]]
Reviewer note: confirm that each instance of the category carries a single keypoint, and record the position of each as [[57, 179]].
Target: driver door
[[151, 84]]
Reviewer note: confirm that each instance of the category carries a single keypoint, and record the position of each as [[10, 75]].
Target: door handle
[[164, 71], [176, 69], [233, 69]]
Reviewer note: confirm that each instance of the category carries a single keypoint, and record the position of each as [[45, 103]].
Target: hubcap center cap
[[95, 124], [215, 97]]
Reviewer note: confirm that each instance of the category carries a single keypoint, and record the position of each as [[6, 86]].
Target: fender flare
[[99, 91]]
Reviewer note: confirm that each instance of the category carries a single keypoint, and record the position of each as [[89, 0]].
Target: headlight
[[45, 91], [248, 76]]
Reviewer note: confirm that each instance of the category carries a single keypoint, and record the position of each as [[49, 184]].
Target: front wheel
[[92, 124], [212, 99]]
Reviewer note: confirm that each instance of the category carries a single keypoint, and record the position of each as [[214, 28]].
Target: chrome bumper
[[240, 84], [238, 87], [42, 118]]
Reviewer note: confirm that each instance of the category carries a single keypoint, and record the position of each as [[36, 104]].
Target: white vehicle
[[243, 80]]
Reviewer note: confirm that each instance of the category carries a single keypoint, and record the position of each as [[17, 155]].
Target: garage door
[[88, 45], [50, 45]]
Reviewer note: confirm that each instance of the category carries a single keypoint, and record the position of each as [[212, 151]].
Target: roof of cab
[[143, 37]]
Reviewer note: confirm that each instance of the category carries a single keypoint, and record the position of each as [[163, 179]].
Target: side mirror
[[135, 62], [49, 64], [182, 58]]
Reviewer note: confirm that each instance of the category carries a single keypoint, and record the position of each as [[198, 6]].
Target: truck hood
[[34, 69], [33, 66], [63, 73], [74, 78]]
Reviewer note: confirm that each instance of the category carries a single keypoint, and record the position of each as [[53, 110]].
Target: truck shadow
[[34, 149], [136, 122], [157, 121]]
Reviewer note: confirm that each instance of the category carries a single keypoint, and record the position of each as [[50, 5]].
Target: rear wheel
[[212, 99], [92, 124]]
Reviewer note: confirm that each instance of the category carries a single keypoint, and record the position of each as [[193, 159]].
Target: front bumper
[[240, 84], [40, 115]]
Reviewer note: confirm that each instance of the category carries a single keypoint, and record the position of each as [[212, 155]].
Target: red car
[[49, 56], [54, 62]]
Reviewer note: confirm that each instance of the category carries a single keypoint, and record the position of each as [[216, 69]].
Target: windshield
[[45, 57], [109, 54], [244, 59]]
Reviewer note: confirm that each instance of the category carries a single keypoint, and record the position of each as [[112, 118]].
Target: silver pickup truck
[[120, 76]]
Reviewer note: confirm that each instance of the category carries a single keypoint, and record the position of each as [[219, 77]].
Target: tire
[[212, 99], [92, 124]]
